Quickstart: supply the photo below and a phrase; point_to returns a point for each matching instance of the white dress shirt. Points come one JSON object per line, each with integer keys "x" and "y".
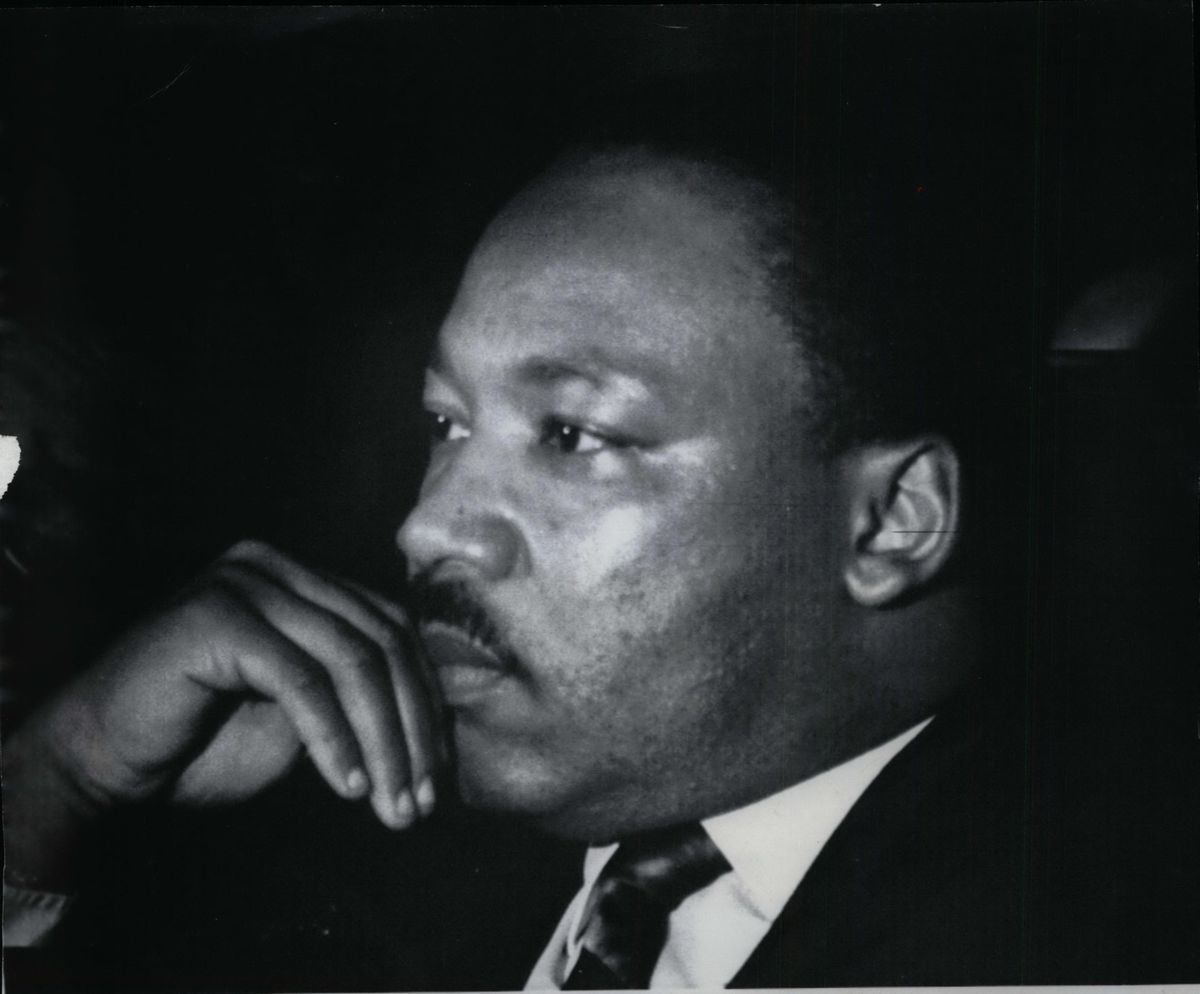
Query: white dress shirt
{"x": 770, "y": 845}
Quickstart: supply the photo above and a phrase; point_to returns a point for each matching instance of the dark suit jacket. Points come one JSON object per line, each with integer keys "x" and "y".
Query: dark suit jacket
{"x": 980, "y": 855}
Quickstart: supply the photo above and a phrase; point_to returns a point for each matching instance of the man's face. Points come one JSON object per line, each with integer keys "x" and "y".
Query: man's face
{"x": 619, "y": 480}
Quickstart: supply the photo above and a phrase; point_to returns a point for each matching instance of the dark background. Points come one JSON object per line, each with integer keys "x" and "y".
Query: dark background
{"x": 229, "y": 236}
{"x": 230, "y": 233}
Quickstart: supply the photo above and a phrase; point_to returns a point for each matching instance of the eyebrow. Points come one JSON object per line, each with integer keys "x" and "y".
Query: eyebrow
{"x": 542, "y": 372}
{"x": 548, "y": 371}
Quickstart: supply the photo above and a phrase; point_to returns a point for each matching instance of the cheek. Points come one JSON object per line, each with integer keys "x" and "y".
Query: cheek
{"x": 614, "y": 541}
{"x": 614, "y": 584}
{"x": 641, "y": 581}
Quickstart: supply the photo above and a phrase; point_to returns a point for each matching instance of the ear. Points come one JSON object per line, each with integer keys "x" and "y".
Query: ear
{"x": 904, "y": 509}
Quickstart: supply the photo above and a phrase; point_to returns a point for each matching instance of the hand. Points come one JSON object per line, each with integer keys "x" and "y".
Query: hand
{"x": 214, "y": 698}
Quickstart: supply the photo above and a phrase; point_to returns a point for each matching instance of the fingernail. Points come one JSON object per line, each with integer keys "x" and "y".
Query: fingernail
{"x": 425, "y": 796}
{"x": 356, "y": 782}
{"x": 405, "y": 811}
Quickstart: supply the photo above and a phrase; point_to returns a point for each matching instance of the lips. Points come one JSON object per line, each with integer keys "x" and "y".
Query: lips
{"x": 465, "y": 668}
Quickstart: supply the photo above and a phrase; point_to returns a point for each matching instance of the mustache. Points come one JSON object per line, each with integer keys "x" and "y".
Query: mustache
{"x": 452, "y": 603}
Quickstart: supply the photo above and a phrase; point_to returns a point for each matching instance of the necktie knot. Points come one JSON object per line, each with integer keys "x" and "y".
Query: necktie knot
{"x": 625, "y": 924}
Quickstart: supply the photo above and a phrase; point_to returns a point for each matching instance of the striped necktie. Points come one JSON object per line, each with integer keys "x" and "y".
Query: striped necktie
{"x": 625, "y": 923}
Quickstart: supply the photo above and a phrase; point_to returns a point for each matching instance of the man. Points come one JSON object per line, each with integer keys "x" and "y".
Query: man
{"x": 690, "y": 551}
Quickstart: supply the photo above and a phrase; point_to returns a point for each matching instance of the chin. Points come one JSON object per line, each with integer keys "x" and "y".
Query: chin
{"x": 520, "y": 784}
{"x": 495, "y": 777}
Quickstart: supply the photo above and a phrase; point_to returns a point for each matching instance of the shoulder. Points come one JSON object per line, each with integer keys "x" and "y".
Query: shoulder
{"x": 995, "y": 850}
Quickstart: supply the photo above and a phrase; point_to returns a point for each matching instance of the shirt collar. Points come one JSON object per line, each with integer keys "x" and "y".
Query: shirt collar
{"x": 771, "y": 843}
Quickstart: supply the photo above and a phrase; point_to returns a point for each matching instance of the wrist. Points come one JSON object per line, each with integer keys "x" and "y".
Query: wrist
{"x": 48, "y": 816}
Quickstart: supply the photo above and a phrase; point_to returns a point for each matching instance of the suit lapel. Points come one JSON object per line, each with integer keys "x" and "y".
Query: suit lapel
{"x": 921, "y": 882}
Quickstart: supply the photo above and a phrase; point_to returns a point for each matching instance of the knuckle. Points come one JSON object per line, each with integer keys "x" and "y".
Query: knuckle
{"x": 308, "y": 683}
{"x": 213, "y": 601}
{"x": 359, "y": 654}
{"x": 329, "y": 740}
{"x": 394, "y": 646}
{"x": 233, "y": 571}
{"x": 247, "y": 548}
{"x": 213, "y": 615}
{"x": 361, "y": 659}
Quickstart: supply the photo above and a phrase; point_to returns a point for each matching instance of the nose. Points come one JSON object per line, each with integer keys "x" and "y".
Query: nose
{"x": 464, "y": 519}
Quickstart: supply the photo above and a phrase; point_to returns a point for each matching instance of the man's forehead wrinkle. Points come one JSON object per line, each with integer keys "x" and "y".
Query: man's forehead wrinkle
{"x": 621, "y": 288}
{"x": 547, "y": 372}
{"x": 593, "y": 366}
{"x": 583, "y": 313}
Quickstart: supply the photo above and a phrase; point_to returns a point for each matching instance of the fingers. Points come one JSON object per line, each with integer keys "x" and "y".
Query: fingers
{"x": 353, "y": 668}
{"x": 417, "y": 692}
{"x": 428, "y": 721}
{"x": 267, "y": 662}
{"x": 362, "y": 650}
{"x": 418, "y": 695}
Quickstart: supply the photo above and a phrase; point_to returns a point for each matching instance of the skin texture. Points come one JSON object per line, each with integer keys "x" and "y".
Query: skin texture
{"x": 670, "y": 580}
{"x": 648, "y": 596}
{"x": 257, "y": 662}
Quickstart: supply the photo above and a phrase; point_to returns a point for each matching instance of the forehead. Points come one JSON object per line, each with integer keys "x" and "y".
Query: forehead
{"x": 653, "y": 269}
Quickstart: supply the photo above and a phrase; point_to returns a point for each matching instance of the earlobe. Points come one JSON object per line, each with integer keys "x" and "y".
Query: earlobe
{"x": 904, "y": 511}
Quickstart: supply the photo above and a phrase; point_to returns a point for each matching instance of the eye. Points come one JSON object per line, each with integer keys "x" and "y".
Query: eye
{"x": 443, "y": 428}
{"x": 570, "y": 439}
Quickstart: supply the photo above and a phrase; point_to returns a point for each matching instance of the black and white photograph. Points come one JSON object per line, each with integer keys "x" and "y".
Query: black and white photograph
{"x": 590, "y": 497}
